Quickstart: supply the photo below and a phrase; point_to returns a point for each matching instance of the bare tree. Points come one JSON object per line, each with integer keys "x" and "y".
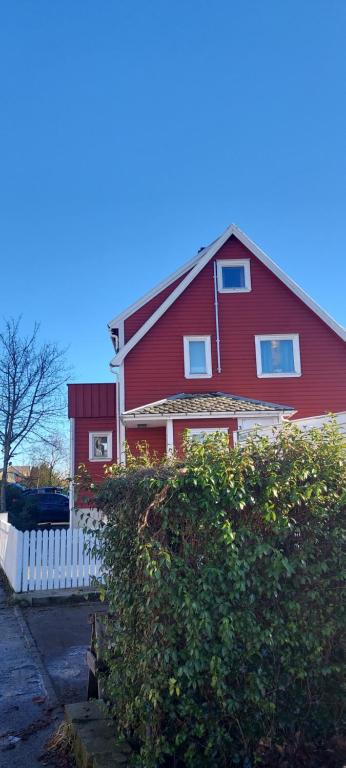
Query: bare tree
{"x": 49, "y": 459}
{"x": 31, "y": 390}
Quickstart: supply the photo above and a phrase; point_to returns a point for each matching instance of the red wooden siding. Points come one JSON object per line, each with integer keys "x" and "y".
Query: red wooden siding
{"x": 155, "y": 367}
{"x": 137, "y": 319}
{"x": 96, "y": 469}
{"x": 92, "y": 400}
{"x": 181, "y": 425}
{"x": 154, "y": 436}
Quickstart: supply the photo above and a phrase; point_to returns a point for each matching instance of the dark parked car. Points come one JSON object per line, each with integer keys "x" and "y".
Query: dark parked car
{"x": 51, "y": 508}
{"x": 43, "y": 489}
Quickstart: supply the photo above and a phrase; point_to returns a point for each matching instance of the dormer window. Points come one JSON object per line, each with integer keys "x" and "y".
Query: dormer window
{"x": 197, "y": 357}
{"x": 234, "y": 276}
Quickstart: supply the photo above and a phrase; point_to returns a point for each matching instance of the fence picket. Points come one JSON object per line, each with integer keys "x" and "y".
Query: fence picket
{"x": 69, "y": 558}
{"x": 50, "y": 569}
{"x": 86, "y": 559}
{"x": 45, "y": 559}
{"x": 74, "y": 558}
{"x": 56, "y": 559}
{"x": 25, "y": 565}
{"x": 62, "y": 579}
{"x": 38, "y": 572}
{"x": 80, "y": 559}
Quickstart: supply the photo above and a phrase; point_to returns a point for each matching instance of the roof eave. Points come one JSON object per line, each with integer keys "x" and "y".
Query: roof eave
{"x": 129, "y": 416}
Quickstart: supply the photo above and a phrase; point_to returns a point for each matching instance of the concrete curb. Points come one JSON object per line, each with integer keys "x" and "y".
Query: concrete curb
{"x": 35, "y": 654}
{"x": 54, "y": 597}
{"x": 93, "y": 737}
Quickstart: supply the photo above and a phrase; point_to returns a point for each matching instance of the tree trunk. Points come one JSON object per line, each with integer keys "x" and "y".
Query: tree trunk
{"x": 4, "y": 482}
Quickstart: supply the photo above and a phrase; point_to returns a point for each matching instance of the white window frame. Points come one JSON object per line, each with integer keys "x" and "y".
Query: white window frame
{"x": 294, "y": 337}
{"x": 234, "y": 263}
{"x": 207, "y": 342}
{"x": 207, "y": 431}
{"x": 100, "y": 433}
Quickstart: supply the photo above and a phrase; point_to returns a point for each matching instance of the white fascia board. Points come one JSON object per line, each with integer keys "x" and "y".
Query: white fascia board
{"x": 202, "y": 261}
{"x": 130, "y": 416}
{"x": 152, "y": 293}
{"x": 158, "y": 288}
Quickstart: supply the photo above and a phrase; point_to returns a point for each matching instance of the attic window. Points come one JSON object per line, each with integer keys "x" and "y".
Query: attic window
{"x": 233, "y": 276}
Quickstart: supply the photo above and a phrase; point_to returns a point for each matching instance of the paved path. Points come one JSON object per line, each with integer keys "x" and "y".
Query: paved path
{"x": 62, "y": 635}
{"x": 29, "y": 711}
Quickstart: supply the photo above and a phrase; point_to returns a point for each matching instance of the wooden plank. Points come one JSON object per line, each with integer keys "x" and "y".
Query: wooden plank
{"x": 32, "y": 557}
{"x": 74, "y": 558}
{"x": 50, "y": 569}
{"x": 44, "y": 582}
{"x": 62, "y": 579}
{"x": 80, "y": 558}
{"x": 56, "y": 577}
{"x": 91, "y": 662}
{"x": 69, "y": 558}
{"x": 25, "y": 584}
{"x": 38, "y": 572}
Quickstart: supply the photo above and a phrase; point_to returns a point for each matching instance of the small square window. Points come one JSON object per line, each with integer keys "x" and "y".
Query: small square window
{"x": 234, "y": 276}
{"x": 100, "y": 446}
{"x": 278, "y": 355}
{"x": 197, "y": 357}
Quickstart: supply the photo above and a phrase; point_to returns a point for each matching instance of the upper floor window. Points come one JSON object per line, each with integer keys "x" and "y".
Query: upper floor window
{"x": 278, "y": 355}
{"x": 197, "y": 357}
{"x": 234, "y": 276}
{"x": 100, "y": 446}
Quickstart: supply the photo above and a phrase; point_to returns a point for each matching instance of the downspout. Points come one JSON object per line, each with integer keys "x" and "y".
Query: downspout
{"x": 72, "y": 468}
{"x": 216, "y": 305}
{"x": 117, "y": 411}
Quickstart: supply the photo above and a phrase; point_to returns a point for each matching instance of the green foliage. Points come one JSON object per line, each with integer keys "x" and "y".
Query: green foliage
{"x": 22, "y": 510}
{"x": 224, "y": 575}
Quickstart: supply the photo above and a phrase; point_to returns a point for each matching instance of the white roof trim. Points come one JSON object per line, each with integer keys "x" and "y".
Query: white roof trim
{"x": 202, "y": 260}
{"x": 129, "y": 416}
{"x": 154, "y": 291}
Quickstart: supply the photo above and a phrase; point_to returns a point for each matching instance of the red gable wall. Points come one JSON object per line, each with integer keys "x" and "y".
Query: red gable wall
{"x": 155, "y": 367}
{"x": 137, "y": 319}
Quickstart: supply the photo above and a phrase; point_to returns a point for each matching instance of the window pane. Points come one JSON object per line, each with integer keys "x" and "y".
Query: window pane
{"x": 198, "y": 363}
{"x": 100, "y": 446}
{"x": 233, "y": 277}
{"x": 277, "y": 356}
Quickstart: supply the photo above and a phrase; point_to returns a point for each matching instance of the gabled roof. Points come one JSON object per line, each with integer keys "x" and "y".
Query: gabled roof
{"x": 195, "y": 266}
{"x": 206, "y": 403}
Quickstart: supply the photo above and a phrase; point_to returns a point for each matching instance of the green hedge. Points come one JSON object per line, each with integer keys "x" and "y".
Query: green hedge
{"x": 225, "y": 578}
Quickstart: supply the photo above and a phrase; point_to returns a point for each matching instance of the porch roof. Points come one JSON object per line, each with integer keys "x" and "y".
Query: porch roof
{"x": 206, "y": 403}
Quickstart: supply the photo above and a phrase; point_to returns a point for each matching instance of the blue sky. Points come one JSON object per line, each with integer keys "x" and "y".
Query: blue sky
{"x": 132, "y": 133}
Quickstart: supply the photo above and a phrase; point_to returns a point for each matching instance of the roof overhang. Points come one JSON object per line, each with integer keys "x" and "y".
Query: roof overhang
{"x": 129, "y": 417}
{"x": 194, "y": 267}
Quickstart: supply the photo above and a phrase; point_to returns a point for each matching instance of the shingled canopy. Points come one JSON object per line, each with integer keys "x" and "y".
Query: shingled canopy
{"x": 206, "y": 404}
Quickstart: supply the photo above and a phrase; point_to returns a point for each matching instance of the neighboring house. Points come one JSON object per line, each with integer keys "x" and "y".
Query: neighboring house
{"x": 227, "y": 341}
{"x": 17, "y": 474}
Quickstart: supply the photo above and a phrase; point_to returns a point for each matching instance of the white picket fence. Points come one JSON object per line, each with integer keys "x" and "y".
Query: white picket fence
{"x": 55, "y": 559}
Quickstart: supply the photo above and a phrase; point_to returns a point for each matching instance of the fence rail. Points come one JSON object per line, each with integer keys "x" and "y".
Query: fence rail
{"x": 55, "y": 559}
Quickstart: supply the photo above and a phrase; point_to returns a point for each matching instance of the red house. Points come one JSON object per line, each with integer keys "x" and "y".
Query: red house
{"x": 227, "y": 341}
